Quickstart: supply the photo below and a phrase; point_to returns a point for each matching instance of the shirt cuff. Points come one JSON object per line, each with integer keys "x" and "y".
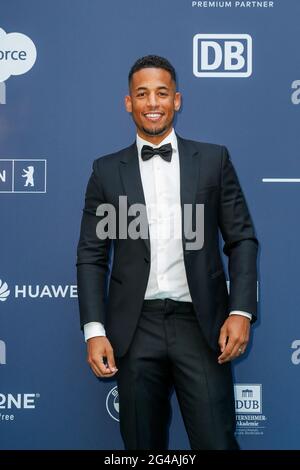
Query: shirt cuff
{"x": 243, "y": 314}
{"x": 92, "y": 329}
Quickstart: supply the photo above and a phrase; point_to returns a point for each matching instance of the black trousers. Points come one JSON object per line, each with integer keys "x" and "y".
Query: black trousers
{"x": 168, "y": 350}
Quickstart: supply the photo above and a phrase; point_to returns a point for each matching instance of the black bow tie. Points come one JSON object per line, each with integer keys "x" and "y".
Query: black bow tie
{"x": 165, "y": 151}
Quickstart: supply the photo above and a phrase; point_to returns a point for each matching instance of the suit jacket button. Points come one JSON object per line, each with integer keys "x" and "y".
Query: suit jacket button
{"x": 146, "y": 260}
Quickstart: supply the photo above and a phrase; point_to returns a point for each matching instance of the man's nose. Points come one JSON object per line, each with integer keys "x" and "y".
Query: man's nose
{"x": 152, "y": 100}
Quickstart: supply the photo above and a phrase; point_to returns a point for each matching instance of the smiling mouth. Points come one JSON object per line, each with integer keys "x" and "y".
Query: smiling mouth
{"x": 153, "y": 117}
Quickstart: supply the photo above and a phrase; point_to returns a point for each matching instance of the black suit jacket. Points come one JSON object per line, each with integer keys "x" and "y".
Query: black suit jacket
{"x": 206, "y": 177}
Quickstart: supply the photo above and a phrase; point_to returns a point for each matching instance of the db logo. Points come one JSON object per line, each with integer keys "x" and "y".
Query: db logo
{"x": 222, "y": 55}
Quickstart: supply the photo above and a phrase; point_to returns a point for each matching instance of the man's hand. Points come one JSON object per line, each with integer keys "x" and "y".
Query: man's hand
{"x": 100, "y": 356}
{"x": 234, "y": 337}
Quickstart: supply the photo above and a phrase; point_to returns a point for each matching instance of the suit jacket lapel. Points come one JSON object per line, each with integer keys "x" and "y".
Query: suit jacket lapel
{"x": 131, "y": 178}
{"x": 189, "y": 173}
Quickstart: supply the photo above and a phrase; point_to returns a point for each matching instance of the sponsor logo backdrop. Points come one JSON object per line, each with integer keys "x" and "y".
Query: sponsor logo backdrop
{"x": 63, "y": 75}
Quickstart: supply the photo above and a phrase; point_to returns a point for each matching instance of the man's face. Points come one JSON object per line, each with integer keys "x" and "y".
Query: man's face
{"x": 153, "y": 101}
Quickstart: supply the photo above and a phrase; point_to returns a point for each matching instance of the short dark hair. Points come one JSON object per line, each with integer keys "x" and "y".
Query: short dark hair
{"x": 150, "y": 61}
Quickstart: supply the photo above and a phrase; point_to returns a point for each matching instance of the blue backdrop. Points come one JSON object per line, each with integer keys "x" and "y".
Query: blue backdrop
{"x": 66, "y": 111}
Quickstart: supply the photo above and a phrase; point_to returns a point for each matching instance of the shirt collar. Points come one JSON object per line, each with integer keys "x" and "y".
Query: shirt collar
{"x": 171, "y": 138}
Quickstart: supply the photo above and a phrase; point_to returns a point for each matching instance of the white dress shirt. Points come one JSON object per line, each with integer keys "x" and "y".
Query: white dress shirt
{"x": 161, "y": 186}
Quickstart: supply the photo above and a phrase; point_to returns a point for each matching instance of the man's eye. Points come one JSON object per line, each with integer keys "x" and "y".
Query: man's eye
{"x": 163, "y": 94}
{"x": 140, "y": 94}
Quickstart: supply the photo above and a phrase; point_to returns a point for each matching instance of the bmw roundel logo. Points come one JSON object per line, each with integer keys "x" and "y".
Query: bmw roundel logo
{"x": 112, "y": 403}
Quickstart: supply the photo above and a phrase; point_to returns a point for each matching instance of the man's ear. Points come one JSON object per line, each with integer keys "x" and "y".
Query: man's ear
{"x": 128, "y": 104}
{"x": 177, "y": 101}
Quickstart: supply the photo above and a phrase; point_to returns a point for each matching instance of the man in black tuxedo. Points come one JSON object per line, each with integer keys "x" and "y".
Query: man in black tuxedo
{"x": 167, "y": 319}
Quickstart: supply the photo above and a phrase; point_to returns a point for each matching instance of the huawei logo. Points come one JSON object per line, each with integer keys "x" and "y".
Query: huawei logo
{"x": 4, "y": 291}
